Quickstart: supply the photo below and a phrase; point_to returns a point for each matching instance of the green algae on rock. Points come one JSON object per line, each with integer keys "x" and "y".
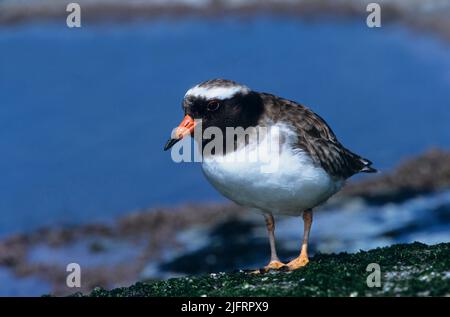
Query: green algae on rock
{"x": 406, "y": 270}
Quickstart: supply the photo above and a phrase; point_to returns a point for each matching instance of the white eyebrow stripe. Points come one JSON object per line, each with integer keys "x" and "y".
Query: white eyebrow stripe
{"x": 216, "y": 92}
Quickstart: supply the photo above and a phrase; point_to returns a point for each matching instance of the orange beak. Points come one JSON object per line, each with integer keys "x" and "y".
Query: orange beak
{"x": 185, "y": 128}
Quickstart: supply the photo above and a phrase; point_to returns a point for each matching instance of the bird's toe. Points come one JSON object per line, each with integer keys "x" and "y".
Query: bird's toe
{"x": 297, "y": 263}
{"x": 274, "y": 265}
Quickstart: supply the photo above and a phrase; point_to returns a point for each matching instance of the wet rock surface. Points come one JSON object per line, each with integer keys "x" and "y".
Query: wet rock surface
{"x": 405, "y": 270}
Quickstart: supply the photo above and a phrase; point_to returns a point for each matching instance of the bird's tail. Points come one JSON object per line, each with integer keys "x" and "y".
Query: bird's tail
{"x": 367, "y": 166}
{"x": 360, "y": 164}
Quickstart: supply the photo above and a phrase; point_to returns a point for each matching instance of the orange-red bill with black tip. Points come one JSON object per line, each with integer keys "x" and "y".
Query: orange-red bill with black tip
{"x": 185, "y": 128}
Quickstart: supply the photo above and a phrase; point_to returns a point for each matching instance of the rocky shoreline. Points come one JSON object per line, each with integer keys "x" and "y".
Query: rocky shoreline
{"x": 430, "y": 16}
{"x": 423, "y": 174}
{"x": 165, "y": 242}
{"x": 405, "y": 270}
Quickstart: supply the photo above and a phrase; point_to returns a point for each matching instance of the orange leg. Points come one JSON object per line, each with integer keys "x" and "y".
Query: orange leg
{"x": 302, "y": 259}
{"x": 275, "y": 262}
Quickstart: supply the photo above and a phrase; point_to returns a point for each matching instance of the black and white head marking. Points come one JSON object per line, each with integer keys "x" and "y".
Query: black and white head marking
{"x": 219, "y": 89}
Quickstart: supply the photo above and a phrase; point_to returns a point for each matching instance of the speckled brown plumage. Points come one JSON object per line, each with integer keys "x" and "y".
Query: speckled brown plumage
{"x": 314, "y": 137}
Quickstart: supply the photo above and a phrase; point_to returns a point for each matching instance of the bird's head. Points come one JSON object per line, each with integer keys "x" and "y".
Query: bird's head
{"x": 217, "y": 103}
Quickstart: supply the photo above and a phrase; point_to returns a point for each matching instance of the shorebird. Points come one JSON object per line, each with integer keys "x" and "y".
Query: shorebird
{"x": 312, "y": 164}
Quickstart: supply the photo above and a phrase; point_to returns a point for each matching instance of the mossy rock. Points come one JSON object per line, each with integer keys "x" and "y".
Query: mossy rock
{"x": 406, "y": 270}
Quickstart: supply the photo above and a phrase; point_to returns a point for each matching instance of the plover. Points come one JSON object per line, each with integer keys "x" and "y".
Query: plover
{"x": 312, "y": 164}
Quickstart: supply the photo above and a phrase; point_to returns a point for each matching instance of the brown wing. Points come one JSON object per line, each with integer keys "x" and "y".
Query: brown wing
{"x": 318, "y": 140}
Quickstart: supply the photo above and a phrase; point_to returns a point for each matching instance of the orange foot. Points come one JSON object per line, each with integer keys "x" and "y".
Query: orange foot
{"x": 273, "y": 265}
{"x": 297, "y": 263}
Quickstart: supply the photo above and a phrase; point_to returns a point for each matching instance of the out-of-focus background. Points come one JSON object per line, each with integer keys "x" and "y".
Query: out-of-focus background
{"x": 85, "y": 112}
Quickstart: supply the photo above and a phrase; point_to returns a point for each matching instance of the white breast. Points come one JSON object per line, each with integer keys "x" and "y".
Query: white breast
{"x": 289, "y": 184}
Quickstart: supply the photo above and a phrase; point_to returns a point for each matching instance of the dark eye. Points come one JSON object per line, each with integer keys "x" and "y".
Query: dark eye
{"x": 213, "y": 105}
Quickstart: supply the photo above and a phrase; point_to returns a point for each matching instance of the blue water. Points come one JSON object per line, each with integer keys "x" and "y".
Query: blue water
{"x": 84, "y": 113}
